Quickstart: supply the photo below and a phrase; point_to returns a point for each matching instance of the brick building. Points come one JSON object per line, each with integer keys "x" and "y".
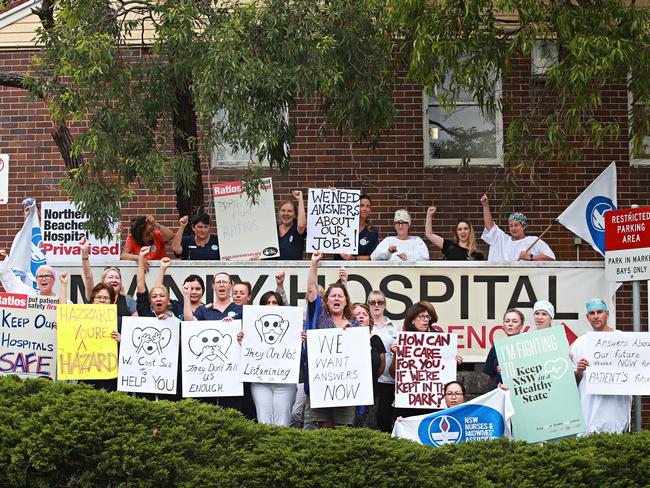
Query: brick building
{"x": 402, "y": 172}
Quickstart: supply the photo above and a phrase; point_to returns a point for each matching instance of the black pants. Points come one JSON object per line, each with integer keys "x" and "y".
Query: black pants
{"x": 385, "y": 396}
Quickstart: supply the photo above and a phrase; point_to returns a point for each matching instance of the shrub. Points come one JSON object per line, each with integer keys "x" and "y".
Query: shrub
{"x": 58, "y": 434}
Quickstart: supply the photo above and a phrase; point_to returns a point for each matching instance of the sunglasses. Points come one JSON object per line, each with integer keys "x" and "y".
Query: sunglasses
{"x": 376, "y": 302}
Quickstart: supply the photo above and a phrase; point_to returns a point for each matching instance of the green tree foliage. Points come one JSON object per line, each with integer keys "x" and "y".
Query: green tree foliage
{"x": 233, "y": 69}
{"x": 58, "y": 434}
{"x": 471, "y": 43}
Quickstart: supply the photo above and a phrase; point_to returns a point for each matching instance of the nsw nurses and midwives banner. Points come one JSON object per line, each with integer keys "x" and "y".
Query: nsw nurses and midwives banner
{"x": 470, "y": 298}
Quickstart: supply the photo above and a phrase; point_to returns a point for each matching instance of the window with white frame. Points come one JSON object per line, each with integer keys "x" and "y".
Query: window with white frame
{"x": 463, "y": 133}
{"x": 642, "y": 159}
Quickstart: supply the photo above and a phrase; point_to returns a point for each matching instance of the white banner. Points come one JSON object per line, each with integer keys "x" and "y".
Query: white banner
{"x": 148, "y": 360}
{"x": 470, "y": 298}
{"x": 340, "y": 374}
{"x": 619, "y": 363}
{"x": 62, "y": 227}
{"x": 210, "y": 357}
{"x": 426, "y": 361}
{"x": 333, "y": 221}
{"x": 28, "y": 338}
{"x": 271, "y": 345}
{"x": 4, "y": 178}
{"x": 246, "y": 231}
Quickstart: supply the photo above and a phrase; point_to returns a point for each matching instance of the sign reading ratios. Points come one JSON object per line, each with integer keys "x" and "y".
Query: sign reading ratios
{"x": 627, "y": 244}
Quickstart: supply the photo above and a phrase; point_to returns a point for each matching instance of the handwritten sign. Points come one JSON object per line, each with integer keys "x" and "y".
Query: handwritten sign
{"x": 148, "y": 360}
{"x": 28, "y": 335}
{"x": 86, "y": 350}
{"x": 62, "y": 227}
{"x": 333, "y": 221}
{"x": 246, "y": 230}
{"x": 537, "y": 368}
{"x": 426, "y": 361}
{"x": 210, "y": 358}
{"x": 340, "y": 374}
{"x": 619, "y": 363}
{"x": 271, "y": 345}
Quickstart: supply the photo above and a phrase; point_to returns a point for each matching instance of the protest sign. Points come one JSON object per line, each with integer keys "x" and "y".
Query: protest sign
{"x": 4, "y": 178}
{"x": 426, "y": 361}
{"x": 339, "y": 367}
{"x": 86, "y": 350}
{"x": 333, "y": 221}
{"x": 537, "y": 368}
{"x": 62, "y": 227}
{"x": 28, "y": 339}
{"x": 619, "y": 363}
{"x": 148, "y": 361}
{"x": 246, "y": 230}
{"x": 271, "y": 344}
{"x": 210, "y": 358}
{"x": 483, "y": 418}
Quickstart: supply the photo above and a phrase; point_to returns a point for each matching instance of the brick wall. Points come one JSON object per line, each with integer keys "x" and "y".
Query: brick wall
{"x": 393, "y": 175}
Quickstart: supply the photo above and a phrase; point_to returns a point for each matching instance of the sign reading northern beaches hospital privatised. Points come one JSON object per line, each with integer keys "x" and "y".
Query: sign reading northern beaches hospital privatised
{"x": 627, "y": 244}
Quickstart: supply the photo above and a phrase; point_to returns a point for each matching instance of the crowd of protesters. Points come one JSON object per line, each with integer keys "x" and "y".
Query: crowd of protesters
{"x": 289, "y": 405}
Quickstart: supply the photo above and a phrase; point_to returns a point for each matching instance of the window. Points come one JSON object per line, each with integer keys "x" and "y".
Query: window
{"x": 542, "y": 57}
{"x": 463, "y": 133}
{"x": 639, "y": 112}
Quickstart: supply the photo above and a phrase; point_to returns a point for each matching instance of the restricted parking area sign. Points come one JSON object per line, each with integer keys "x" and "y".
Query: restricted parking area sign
{"x": 627, "y": 244}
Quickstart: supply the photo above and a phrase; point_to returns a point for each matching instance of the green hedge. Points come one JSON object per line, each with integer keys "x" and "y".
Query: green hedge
{"x": 57, "y": 434}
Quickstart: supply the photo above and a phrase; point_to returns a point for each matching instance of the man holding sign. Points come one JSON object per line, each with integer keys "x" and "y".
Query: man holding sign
{"x": 603, "y": 413}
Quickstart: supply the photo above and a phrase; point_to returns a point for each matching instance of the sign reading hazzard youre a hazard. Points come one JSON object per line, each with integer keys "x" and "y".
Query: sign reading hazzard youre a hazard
{"x": 627, "y": 244}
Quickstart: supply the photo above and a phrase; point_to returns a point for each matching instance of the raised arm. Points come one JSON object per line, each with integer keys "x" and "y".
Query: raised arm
{"x": 312, "y": 278}
{"x": 302, "y": 215}
{"x": 89, "y": 281}
{"x": 178, "y": 237}
{"x": 64, "y": 278}
{"x": 435, "y": 239}
{"x": 166, "y": 232}
{"x": 141, "y": 284}
{"x": 160, "y": 277}
{"x": 279, "y": 287}
{"x": 188, "y": 314}
{"x": 487, "y": 215}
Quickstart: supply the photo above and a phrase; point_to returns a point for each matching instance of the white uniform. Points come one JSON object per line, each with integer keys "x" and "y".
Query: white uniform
{"x": 504, "y": 248}
{"x": 414, "y": 247}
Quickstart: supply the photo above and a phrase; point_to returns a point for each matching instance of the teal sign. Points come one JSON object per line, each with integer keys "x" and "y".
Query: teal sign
{"x": 539, "y": 372}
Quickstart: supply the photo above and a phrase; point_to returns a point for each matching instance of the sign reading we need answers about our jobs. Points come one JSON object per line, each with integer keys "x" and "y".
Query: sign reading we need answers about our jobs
{"x": 627, "y": 244}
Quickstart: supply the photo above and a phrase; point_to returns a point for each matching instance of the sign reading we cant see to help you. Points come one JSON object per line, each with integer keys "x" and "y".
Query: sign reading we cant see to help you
{"x": 627, "y": 244}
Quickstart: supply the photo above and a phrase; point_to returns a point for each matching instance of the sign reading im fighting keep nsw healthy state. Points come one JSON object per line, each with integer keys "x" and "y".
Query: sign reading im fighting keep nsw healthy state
{"x": 627, "y": 244}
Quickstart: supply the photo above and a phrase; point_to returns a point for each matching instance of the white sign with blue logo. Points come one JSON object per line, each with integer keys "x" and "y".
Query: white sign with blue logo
{"x": 585, "y": 216}
{"x": 484, "y": 418}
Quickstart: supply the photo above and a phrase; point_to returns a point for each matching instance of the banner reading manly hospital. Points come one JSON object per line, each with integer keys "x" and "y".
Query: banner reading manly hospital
{"x": 470, "y": 298}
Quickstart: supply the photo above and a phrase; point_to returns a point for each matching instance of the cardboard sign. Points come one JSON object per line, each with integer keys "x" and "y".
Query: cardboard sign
{"x": 426, "y": 362}
{"x": 333, "y": 221}
{"x": 537, "y": 368}
{"x": 340, "y": 374}
{"x": 86, "y": 350}
{"x": 28, "y": 335}
{"x": 4, "y": 178}
{"x": 271, "y": 345}
{"x": 62, "y": 227}
{"x": 246, "y": 231}
{"x": 148, "y": 360}
{"x": 210, "y": 358}
{"x": 619, "y": 363}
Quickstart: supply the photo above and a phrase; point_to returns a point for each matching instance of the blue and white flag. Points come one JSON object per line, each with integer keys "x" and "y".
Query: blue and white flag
{"x": 585, "y": 216}
{"x": 484, "y": 418}
{"x": 26, "y": 254}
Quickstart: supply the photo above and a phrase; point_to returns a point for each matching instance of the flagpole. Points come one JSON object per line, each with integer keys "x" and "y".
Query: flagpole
{"x": 539, "y": 238}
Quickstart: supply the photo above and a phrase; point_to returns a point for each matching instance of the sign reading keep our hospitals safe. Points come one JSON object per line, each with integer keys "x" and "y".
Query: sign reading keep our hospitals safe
{"x": 470, "y": 299}
{"x": 627, "y": 244}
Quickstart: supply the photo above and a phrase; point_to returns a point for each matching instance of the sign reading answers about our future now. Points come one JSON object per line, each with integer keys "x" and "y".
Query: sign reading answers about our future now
{"x": 627, "y": 244}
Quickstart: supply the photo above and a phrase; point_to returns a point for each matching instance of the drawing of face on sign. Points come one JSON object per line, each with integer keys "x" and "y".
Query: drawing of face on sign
{"x": 271, "y": 328}
{"x": 151, "y": 340}
{"x": 210, "y": 344}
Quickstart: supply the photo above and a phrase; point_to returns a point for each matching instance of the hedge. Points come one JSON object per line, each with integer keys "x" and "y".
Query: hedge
{"x": 58, "y": 434}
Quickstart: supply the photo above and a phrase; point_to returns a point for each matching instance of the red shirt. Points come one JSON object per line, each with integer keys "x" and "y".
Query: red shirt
{"x": 157, "y": 251}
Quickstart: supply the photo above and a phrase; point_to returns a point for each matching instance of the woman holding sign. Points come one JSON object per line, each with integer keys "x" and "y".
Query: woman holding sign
{"x": 291, "y": 229}
{"x": 513, "y": 322}
{"x": 335, "y": 312}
